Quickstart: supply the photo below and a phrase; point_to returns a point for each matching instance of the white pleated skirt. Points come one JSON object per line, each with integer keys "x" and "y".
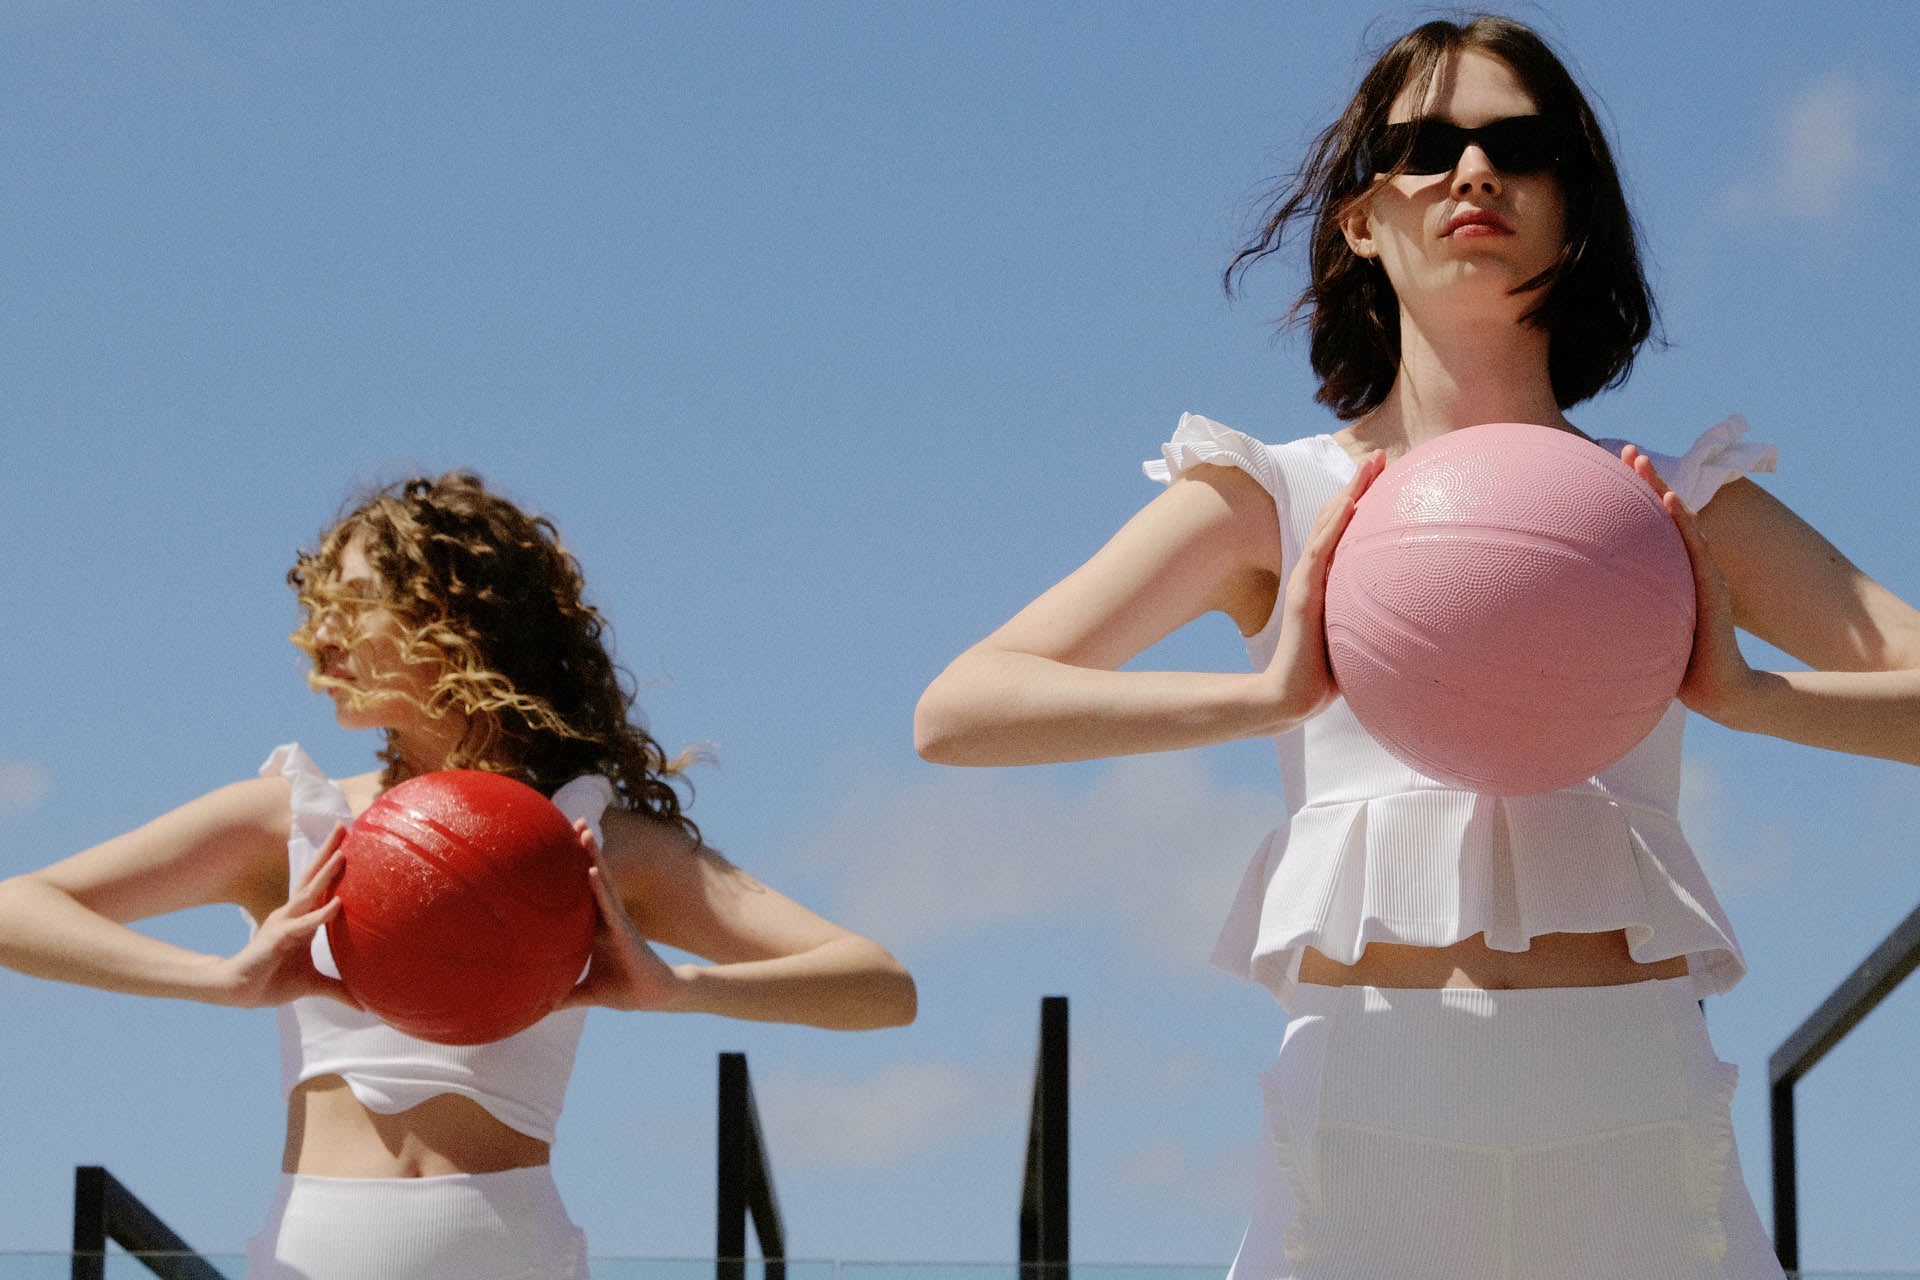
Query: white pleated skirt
{"x": 483, "y": 1226}
{"x": 1557, "y": 1134}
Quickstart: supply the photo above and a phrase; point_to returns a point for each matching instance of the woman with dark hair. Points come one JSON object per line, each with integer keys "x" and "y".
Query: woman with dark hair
{"x": 455, "y": 623}
{"x": 1495, "y": 1062}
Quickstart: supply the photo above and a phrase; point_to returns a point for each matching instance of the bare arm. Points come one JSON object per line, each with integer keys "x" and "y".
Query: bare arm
{"x": 773, "y": 960}
{"x": 1045, "y": 686}
{"x": 1760, "y": 567}
{"x": 68, "y": 922}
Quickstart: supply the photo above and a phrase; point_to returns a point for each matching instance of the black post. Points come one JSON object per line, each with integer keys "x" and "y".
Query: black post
{"x": 1786, "y": 1191}
{"x": 1043, "y": 1192}
{"x": 744, "y": 1183}
{"x": 90, "y": 1222}
{"x": 104, "y": 1210}
{"x": 1871, "y": 982}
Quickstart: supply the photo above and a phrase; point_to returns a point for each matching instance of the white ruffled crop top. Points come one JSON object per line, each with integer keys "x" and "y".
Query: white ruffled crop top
{"x": 1374, "y": 851}
{"x": 521, "y": 1080}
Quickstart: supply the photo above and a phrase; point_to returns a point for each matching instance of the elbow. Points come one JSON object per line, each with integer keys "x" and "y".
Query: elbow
{"x": 906, "y": 1001}
{"x": 13, "y": 892}
{"x": 930, "y": 741}
{"x": 896, "y": 1001}
{"x": 936, "y": 725}
{"x": 962, "y": 714}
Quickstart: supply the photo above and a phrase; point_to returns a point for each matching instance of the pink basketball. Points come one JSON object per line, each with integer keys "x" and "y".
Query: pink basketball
{"x": 1510, "y": 609}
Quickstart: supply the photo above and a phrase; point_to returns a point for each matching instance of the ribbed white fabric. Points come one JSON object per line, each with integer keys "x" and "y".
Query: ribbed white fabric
{"x": 1555, "y": 1134}
{"x": 479, "y": 1226}
{"x": 521, "y": 1080}
{"x": 1373, "y": 850}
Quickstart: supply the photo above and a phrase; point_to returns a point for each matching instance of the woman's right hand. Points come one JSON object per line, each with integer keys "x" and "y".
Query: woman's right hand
{"x": 1300, "y": 675}
{"x": 276, "y": 965}
{"x": 1048, "y": 685}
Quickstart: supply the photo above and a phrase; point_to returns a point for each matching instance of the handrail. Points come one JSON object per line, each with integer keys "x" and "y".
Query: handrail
{"x": 1043, "y": 1191}
{"x": 744, "y": 1181}
{"x": 1838, "y": 1014}
{"x": 104, "y": 1210}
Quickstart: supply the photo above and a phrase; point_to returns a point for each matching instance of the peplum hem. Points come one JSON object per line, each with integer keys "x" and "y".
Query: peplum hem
{"x": 1434, "y": 866}
{"x": 1374, "y": 851}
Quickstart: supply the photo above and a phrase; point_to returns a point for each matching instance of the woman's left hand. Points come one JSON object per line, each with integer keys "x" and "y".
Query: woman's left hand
{"x": 625, "y": 972}
{"x": 1718, "y": 674}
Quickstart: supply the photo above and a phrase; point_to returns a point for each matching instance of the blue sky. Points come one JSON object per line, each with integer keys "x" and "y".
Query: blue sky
{"x": 830, "y": 335}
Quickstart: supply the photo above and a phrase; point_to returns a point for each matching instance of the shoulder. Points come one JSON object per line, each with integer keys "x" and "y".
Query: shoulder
{"x": 260, "y": 806}
{"x": 644, "y": 847}
{"x": 662, "y": 873}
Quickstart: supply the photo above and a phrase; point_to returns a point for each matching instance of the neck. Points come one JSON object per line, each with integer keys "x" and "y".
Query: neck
{"x": 1461, "y": 375}
{"x": 424, "y": 749}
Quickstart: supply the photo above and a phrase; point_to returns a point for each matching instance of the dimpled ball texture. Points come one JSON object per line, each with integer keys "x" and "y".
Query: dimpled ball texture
{"x": 1510, "y": 609}
{"x": 466, "y": 914}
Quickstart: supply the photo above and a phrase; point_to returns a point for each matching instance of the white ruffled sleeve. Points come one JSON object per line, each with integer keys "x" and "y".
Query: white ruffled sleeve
{"x": 588, "y": 797}
{"x": 1719, "y": 455}
{"x": 1197, "y": 441}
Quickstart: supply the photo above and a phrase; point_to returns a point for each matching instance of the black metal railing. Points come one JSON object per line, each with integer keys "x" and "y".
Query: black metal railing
{"x": 1838, "y": 1014}
{"x": 744, "y": 1181}
{"x": 104, "y": 1210}
{"x": 1043, "y": 1191}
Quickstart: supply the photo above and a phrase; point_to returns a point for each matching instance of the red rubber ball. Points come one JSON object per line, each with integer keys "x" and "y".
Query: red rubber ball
{"x": 1510, "y": 609}
{"x": 466, "y": 913}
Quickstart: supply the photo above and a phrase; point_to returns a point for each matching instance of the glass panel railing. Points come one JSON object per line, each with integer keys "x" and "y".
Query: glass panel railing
{"x": 125, "y": 1266}
{"x": 133, "y": 1266}
{"x": 1016, "y": 1271}
{"x": 1129, "y": 1271}
{"x": 704, "y": 1269}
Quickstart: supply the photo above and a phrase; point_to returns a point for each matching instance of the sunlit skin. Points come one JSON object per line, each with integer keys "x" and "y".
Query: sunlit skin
{"x": 765, "y": 956}
{"x": 1455, "y": 246}
{"x": 359, "y": 648}
{"x": 1053, "y": 683}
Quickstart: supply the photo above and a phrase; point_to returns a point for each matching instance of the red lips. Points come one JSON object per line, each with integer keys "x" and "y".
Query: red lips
{"x": 1465, "y": 218}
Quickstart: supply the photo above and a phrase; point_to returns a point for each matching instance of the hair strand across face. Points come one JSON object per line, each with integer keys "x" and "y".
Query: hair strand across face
{"x": 488, "y": 595}
{"x": 1595, "y": 303}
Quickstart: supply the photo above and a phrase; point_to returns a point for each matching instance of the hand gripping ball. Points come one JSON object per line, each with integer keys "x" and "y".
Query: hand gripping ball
{"x": 465, "y": 912}
{"x": 1510, "y": 609}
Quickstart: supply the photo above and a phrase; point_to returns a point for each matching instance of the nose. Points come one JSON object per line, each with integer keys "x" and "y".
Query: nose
{"x": 327, "y": 631}
{"x": 1474, "y": 173}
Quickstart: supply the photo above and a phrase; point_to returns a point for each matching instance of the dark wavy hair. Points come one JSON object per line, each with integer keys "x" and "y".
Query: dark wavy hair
{"x": 486, "y": 593}
{"x": 1595, "y": 303}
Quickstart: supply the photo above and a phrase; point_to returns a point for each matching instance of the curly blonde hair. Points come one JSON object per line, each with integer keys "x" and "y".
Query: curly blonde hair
{"x": 486, "y": 593}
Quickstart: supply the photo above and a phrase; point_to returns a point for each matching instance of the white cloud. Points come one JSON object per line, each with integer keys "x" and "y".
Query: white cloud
{"x": 23, "y": 785}
{"x": 1738, "y": 858}
{"x": 903, "y": 1110}
{"x": 1155, "y": 842}
{"x": 1161, "y": 1162}
{"x": 1171, "y": 1170}
{"x": 1818, "y": 157}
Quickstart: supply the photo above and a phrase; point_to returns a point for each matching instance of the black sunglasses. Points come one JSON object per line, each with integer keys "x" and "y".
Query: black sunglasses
{"x": 1517, "y": 144}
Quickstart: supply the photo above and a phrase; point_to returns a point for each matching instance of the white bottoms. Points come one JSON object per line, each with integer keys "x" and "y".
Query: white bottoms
{"x": 1558, "y": 1134}
{"x": 483, "y": 1226}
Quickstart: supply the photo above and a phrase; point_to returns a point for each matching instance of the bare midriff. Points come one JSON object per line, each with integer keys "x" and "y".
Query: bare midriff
{"x": 1550, "y": 960}
{"x": 331, "y": 1134}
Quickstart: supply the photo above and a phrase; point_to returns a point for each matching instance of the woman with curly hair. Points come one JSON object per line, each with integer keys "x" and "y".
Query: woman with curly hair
{"x": 452, "y": 621}
{"x": 1495, "y": 1063}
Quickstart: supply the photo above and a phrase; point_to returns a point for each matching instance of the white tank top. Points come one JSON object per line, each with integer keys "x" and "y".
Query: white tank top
{"x": 521, "y": 1080}
{"x": 1374, "y": 851}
